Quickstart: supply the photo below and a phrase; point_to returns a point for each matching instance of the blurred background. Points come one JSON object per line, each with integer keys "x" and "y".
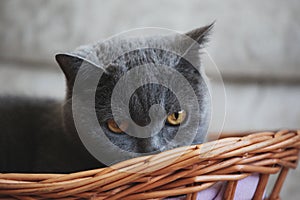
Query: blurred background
{"x": 255, "y": 44}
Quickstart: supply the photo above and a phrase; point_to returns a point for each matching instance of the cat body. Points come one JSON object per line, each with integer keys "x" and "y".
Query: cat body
{"x": 40, "y": 135}
{"x": 33, "y": 138}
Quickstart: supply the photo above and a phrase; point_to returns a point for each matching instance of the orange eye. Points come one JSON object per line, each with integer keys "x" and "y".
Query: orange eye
{"x": 113, "y": 126}
{"x": 176, "y": 118}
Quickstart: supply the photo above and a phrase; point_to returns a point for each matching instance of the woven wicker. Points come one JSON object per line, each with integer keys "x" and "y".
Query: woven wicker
{"x": 195, "y": 168}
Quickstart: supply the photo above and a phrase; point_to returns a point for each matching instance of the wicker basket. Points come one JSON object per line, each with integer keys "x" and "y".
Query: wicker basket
{"x": 197, "y": 168}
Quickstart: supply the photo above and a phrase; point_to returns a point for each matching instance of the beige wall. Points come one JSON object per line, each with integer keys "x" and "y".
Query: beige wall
{"x": 252, "y": 38}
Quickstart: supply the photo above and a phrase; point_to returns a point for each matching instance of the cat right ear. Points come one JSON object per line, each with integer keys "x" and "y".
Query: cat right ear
{"x": 70, "y": 65}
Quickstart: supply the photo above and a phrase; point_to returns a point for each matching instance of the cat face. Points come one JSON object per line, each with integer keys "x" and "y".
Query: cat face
{"x": 154, "y": 113}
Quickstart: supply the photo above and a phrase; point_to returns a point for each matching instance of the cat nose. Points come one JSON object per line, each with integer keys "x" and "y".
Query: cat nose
{"x": 146, "y": 132}
{"x": 149, "y": 145}
{"x": 157, "y": 116}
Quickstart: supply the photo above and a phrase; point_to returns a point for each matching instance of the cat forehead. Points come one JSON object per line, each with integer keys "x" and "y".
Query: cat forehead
{"x": 115, "y": 50}
{"x": 102, "y": 54}
{"x": 119, "y": 55}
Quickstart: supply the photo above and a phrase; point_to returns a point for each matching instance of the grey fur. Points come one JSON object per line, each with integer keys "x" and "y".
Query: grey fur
{"x": 59, "y": 149}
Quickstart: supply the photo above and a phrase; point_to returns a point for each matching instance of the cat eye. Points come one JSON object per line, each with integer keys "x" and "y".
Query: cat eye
{"x": 113, "y": 126}
{"x": 176, "y": 118}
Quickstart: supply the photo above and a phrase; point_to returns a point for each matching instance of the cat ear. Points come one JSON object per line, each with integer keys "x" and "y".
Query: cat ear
{"x": 201, "y": 35}
{"x": 193, "y": 41}
{"x": 70, "y": 65}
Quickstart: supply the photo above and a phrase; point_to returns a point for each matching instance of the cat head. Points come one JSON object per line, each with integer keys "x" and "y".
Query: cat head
{"x": 142, "y": 61}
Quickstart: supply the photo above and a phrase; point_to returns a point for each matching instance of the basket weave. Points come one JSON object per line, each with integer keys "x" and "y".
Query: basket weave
{"x": 196, "y": 168}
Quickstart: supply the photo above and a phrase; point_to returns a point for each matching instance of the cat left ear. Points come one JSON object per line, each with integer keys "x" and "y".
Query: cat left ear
{"x": 201, "y": 35}
{"x": 70, "y": 65}
{"x": 195, "y": 40}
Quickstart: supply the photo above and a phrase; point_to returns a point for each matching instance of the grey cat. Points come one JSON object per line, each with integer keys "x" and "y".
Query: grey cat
{"x": 39, "y": 135}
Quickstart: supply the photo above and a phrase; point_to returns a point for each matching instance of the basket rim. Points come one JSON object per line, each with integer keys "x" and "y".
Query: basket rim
{"x": 199, "y": 167}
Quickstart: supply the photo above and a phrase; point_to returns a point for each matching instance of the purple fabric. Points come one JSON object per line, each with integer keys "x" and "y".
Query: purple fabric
{"x": 244, "y": 191}
{"x": 246, "y": 187}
